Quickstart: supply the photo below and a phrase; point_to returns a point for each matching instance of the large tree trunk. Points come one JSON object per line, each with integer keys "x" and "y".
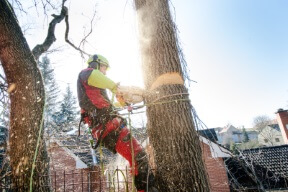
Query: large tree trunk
{"x": 177, "y": 152}
{"x": 27, "y": 104}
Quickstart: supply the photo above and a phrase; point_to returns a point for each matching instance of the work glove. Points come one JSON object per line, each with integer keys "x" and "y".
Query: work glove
{"x": 121, "y": 102}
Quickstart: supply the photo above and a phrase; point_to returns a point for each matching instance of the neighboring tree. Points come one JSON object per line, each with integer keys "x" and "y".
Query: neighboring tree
{"x": 66, "y": 118}
{"x": 260, "y": 122}
{"x": 172, "y": 134}
{"x": 270, "y": 135}
{"x": 52, "y": 92}
{"x": 267, "y": 130}
{"x": 27, "y": 102}
{"x": 28, "y": 155}
{"x": 233, "y": 148}
{"x": 245, "y": 135}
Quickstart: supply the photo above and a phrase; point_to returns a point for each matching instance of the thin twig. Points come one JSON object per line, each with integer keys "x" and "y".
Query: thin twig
{"x": 67, "y": 39}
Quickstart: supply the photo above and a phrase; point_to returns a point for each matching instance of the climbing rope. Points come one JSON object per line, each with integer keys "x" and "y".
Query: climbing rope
{"x": 36, "y": 152}
{"x": 154, "y": 102}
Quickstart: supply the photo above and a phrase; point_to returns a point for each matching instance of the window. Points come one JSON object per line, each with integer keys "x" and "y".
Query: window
{"x": 277, "y": 139}
{"x": 266, "y": 140}
{"x": 286, "y": 126}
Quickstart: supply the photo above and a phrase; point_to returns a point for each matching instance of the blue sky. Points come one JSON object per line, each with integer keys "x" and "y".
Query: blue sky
{"x": 235, "y": 50}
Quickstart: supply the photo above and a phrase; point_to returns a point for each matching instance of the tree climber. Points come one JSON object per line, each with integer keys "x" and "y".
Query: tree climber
{"x": 108, "y": 128}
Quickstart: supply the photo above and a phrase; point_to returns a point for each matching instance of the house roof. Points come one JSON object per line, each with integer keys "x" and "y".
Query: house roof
{"x": 209, "y": 134}
{"x": 270, "y": 165}
{"x": 274, "y": 159}
{"x": 80, "y": 147}
{"x": 251, "y": 130}
{"x": 225, "y": 129}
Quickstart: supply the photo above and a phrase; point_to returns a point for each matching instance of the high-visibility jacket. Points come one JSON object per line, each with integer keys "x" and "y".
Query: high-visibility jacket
{"x": 91, "y": 88}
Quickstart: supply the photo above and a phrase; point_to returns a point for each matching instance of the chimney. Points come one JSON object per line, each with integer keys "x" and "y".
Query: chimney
{"x": 282, "y": 118}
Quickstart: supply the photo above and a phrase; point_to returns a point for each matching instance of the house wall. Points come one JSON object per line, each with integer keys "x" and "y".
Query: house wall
{"x": 229, "y": 134}
{"x": 64, "y": 174}
{"x": 216, "y": 170}
{"x": 282, "y": 118}
{"x": 253, "y": 135}
{"x": 237, "y": 137}
{"x": 270, "y": 137}
{"x": 60, "y": 159}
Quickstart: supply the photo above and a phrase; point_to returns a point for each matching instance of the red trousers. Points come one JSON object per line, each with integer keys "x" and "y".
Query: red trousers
{"x": 124, "y": 146}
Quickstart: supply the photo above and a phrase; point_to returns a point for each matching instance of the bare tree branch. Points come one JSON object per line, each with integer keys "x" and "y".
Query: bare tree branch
{"x": 69, "y": 42}
{"x": 41, "y": 48}
{"x": 84, "y": 40}
{"x": 91, "y": 30}
{"x": 18, "y": 6}
{"x": 260, "y": 122}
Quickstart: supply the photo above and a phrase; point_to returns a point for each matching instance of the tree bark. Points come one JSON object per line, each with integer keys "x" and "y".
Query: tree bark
{"x": 177, "y": 151}
{"x": 27, "y": 104}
